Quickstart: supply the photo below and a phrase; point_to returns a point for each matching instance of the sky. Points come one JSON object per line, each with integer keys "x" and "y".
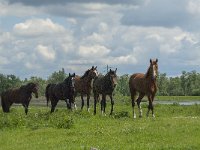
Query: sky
{"x": 38, "y": 37}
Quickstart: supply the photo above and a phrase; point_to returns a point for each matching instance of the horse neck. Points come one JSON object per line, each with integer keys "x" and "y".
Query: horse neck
{"x": 149, "y": 76}
{"x": 107, "y": 78}
{"x": 24, "y": 88}
{"x": 88, "y": 79}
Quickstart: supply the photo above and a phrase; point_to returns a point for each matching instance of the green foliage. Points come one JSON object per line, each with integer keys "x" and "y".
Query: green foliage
{"x": 8, "y": 81}
{"x": 123, "y": 87}
{"x": 175, "y": 127}
{"x": 57, "y": 77}
{"x": 185, "y": 85}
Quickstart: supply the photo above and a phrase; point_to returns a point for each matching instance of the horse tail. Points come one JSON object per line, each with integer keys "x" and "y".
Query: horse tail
{"x": 3, "y": 102}
{"x": 46, "y": 93}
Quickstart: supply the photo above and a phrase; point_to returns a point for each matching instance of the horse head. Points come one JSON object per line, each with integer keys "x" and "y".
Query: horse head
{"x": 153, "y": 68}
{"x": 113, "y": 77}
{"x": 33, "y": 88}
{"x": 93, "y": 72}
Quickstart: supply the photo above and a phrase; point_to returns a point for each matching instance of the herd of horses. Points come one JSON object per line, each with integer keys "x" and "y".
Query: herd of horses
{"x": 104, "y": 85}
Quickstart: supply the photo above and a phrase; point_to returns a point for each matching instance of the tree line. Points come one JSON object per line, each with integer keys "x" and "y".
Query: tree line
{"x": 187, "y": 84}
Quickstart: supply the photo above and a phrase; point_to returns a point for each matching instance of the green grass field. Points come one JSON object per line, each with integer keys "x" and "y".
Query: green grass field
{"x": 175, "y": 127}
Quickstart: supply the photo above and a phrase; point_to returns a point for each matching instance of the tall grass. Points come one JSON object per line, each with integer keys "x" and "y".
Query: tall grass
{"x": 175, "y": 127}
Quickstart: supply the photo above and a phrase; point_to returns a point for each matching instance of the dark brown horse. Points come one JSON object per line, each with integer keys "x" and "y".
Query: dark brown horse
{"x": 145, "y": 84}
{"x": 61, "y": 91}
{"x": 21, "y": 95}
{"x": 83, "y": 84}
{"x": 105, "y": 85}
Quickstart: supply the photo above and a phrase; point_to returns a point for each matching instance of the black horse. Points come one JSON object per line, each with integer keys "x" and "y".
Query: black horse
{"x": 61, "y": 91}
{"x": 104, "y": 85}
{"x": 21, "y": 95}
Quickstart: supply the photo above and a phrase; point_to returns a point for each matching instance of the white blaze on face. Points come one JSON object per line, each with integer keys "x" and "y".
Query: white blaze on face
{"x": 154, "y": 71}
{"x": 96, "y": 72}
{"x": 73, "y": 81}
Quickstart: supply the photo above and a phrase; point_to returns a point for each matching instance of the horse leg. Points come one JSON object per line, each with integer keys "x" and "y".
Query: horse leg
{"x": 75, "y": 107}
{"x": 53, "y": 105}
{"x": 112, "y": 103}
{"x": 141, "y": 95}
{"x": 150, "y": 107}
{"x": 25, "y": 107}
{"x": 82, "y": 101}
{"x": 88, "y": 102}
{"x": 103, "y": 104}
{"x": 68, "y": 104}
{"x": 95, "y": 102}
{"x": 133, "y": 93}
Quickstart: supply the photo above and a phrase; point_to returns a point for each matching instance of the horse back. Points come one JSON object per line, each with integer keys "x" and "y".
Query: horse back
{"x": 14, "y": 95}
{"x": 137, "y": 82}
{"x": 101, "y": 85}
{"x": 82, "y": 86}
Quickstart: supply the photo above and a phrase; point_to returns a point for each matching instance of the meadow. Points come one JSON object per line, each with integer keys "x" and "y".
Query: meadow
{"x": 175, "y": 127}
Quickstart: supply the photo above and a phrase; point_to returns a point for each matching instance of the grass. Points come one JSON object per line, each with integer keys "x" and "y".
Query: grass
{"x": 127, "y": 99}
{"x": 175, "y": 127}
{"x": 178, "y": 98}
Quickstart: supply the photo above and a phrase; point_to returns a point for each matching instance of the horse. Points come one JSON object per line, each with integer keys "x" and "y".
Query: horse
{"x": 21, "y": 95}
{"x": 145, "y": 84}
{"x": 61, "y": 91}
{"x": 104, "y": 85}
{"x": 83, "y": 85}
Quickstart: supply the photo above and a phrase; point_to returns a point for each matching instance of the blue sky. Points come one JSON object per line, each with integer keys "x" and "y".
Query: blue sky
{"x": 40, "y": 37}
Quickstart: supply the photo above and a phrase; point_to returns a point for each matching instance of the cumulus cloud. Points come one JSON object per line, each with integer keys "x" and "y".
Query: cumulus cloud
{"x": 46, "y": 52}
{"x": 37, "y": 27}
{"x": 78, "y": 34}
{"x": 96, "y": 51}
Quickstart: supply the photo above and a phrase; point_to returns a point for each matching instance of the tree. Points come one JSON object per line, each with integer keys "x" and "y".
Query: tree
{"x": 57, "y": 77}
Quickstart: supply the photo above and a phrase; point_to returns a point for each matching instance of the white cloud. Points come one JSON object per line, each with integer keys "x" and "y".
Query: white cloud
{"x": 4, "y": 60}
{"x": 38, "y": 27}
{"x": 46, "y": 52}
{"x": 78, "y": 35}
{"x": 17, "y": 9}
{"x": 194, "y": 7}
{"x": 96, "y": 51}
{"x": 128, "y": 59}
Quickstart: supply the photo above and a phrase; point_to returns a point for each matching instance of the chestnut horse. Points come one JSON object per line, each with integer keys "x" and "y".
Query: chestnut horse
{"x": 145, "y": 84}
{"x": 61, "y": 91}
{"x": 104, "y": 85}
{"x": 83, "y": 84}
{"x": 21, "y": 95}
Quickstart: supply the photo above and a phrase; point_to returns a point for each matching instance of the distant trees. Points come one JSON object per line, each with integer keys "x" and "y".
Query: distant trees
{"x": 188, "y": 83}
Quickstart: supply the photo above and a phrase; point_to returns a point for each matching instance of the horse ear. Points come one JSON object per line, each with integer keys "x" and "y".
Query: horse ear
{"x": 95, "y": 67}
{"x": 92, "y": 67}
{"x": 110, "y": 70}
{"x": 156, "y": 60}
{"x": 74, "y": 74}
{"x": 115, "y": 70}
{"x": 150, "y": 61}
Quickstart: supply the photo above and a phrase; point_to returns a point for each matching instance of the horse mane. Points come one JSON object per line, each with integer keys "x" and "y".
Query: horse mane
{"x": 27, "y": 85}
{"x": 147, "y": 73}
{"x": 110, "y": 72}
{"x": 85, "y": 74}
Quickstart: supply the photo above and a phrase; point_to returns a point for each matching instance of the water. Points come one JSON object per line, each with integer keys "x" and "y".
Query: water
{"x": 187, "y": 103}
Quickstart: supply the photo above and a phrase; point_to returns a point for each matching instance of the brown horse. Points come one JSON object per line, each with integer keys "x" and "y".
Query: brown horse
{"x": 21, "y": 95}
{"x": 61, "y": 91}
{"x": 104, "y": 85}
{"x": 83, "y": 84}
{"x": 145, "y": 84}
